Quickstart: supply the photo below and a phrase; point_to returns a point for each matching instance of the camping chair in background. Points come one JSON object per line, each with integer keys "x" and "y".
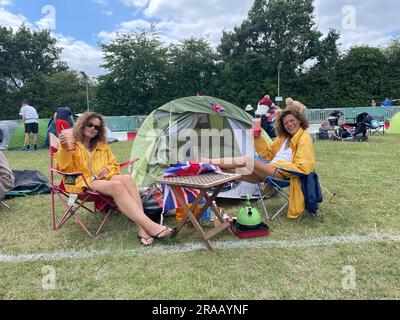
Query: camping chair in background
{"x": 281, "y": 188}
{"x": 377, "y": 126}
{"x": 73, "y": 202}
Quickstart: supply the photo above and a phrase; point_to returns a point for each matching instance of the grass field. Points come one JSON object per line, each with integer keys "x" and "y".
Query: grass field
{"x": 359, "y": 239}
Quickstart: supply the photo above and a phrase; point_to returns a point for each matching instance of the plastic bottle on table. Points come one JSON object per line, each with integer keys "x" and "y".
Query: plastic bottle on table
{"x": 206, "y": 216}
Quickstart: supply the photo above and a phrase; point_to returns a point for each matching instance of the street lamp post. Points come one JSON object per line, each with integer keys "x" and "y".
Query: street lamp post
{"x": 87, "y": 90}
{"x": 87, "y": 95}
{"x": 279, "y": 77}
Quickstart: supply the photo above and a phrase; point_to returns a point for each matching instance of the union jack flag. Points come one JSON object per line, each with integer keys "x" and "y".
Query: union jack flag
{"x": 189, "y": 195}
{"x": 217, "y": 107}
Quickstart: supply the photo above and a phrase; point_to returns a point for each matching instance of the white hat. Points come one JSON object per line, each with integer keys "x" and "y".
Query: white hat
{"x": 249, "y": 107}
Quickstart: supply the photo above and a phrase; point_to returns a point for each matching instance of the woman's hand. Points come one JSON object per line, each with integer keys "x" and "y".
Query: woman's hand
{"x": 63, "y": 139}
{"x": 103, "y": 172}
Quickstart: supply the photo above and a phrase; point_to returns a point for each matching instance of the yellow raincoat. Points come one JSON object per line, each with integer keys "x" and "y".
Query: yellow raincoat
{"x": 303, "y": 161}
{"x": 79, "y": 161}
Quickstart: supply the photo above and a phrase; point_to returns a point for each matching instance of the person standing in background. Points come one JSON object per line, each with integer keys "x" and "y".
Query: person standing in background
{"x": 373, "y": 103}
{"x": 30, "y": 118}
{"x": 62, "y": 116}
{"x": 387, "y": 103}
{"x": 249, "y": 109}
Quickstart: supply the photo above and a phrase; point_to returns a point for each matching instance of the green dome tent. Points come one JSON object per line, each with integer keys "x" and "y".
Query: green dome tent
{"x": 395, "y": 124}
{"x": 12, "y": 134}
{"x": 187, "y": 124}
{"x": 18, "y": 137}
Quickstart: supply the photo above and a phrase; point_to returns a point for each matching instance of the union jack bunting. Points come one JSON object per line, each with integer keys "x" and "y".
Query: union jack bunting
{"x": 217, "y": 107}
{"x": 184, "y": 169}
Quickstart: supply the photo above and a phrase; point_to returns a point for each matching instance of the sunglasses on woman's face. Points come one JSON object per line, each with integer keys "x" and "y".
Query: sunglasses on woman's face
{"x": 95, "y": 126}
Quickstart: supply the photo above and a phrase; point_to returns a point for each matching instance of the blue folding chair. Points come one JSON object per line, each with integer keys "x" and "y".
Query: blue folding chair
{"x": 311, "y": 197}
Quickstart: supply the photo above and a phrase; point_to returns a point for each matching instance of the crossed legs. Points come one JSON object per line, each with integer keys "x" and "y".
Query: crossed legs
{"x": 126, "y": 195}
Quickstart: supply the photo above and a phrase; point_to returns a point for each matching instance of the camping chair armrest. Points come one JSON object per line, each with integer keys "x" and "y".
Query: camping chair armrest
{"x": 128, "y": 163}
{"x": 70, "y": 174}
{"x": 298, "y": 174}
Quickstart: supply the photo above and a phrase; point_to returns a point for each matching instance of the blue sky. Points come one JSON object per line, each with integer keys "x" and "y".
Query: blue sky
{"x": 80, "y": 19}
{"x": 80, "y": 24}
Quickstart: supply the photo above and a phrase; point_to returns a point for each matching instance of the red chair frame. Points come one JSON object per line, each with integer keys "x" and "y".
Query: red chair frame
{"x": 102, "y": 203}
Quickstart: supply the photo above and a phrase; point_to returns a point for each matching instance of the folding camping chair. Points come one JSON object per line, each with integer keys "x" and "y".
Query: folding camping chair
{"x": 377, "y": 126}
{"x": 281, "y": 187}
{"x": 73, "y": 202}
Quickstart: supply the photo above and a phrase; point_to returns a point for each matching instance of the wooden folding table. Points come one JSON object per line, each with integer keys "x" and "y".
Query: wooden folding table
{"x": 203, "y": 183}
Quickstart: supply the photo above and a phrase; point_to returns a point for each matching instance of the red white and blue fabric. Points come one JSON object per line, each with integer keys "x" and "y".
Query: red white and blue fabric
{"x": 217, "y": 107}
{"x": 189, "y": 195}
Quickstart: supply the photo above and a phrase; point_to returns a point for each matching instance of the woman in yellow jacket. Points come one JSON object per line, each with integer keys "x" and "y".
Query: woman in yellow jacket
{"x": 92, "y": 156}
{"x": 292, "y": 150}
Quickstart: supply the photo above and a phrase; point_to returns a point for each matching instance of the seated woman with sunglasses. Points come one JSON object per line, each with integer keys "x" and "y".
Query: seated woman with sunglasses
{"x": 93, "y": 157}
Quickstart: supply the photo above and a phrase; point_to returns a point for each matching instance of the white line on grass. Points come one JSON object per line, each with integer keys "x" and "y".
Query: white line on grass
{"x": 182, "y": 248}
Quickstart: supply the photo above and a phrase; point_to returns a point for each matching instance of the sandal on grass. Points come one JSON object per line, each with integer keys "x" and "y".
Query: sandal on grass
{"x": 142, "y": 239}
{"x": 157, "y": 236}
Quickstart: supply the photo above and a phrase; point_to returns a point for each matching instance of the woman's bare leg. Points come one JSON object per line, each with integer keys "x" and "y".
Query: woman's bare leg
{"x": 129, "y": 206}
{"x": 133, "y": 191}
{"x": 247, "y": 176}
{"x": 228, "y": 163}
{"x": 256, "y": 167}
{"x": 264, "y": 170}
{"x": 127, "y": 181}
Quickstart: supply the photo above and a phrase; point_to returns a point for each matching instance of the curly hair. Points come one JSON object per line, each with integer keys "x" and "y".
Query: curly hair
{"x": 280, "y": 128}
{"x": 80, "y": 125}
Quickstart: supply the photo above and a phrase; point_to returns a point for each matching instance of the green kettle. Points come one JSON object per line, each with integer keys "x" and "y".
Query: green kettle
{"x": 248, "y": 217}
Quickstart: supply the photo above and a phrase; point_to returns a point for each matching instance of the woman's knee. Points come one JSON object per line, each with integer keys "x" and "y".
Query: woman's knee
{"x": 116, "y": 188}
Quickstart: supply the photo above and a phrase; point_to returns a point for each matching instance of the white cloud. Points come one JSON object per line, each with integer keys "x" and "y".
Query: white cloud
{"x": 374, "y": 22}
{"x": 80, "y": 56}
{"x": 101, "y": 2}
{"x": 124, "y": 28}
{"x": 182, "y": 19}
{"x": 5, "y": 3}
{"x": 8, "y": 19}
{"x": 135, "y": 3}
{"x": 49, "y": 18}
{"x": 108, "y": 13}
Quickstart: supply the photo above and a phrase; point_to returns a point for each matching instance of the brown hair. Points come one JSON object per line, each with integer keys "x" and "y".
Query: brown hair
{"x": 279, "y": 127}
{"x": 80, "y": 125}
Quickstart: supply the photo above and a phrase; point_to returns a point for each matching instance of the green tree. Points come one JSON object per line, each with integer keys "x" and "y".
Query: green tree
{"x": 363, "y": 74}
{"x": 136, "y": 78}
{"x": 27, "y": 54}
{"x": 28, "y": 58}
{"x": 47, "y": 93}
{"x": 191, "y": 68}
{"x": 392, "y": 53}
{"x": 274, "y": 31}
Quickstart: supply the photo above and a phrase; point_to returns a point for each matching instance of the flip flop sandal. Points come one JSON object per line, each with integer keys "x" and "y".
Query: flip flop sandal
{"x": 157, "y": 236}
{"x": 146, "y": 239}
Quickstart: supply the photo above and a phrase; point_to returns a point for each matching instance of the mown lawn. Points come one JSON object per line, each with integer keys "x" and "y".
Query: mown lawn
{"x": 304, "y": 259}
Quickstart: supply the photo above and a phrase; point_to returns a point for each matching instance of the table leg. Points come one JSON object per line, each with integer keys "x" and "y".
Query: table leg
{"x": 190, "y": 216}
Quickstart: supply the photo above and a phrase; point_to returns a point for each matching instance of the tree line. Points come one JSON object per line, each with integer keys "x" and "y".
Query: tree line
{"x": 142, "y": 73}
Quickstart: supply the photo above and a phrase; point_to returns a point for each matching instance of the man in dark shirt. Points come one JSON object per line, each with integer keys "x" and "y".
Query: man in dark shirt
{"x": 62, "y": 116}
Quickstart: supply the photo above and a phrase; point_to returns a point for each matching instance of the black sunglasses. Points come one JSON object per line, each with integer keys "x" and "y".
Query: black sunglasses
{"x": 95, "y": 126}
